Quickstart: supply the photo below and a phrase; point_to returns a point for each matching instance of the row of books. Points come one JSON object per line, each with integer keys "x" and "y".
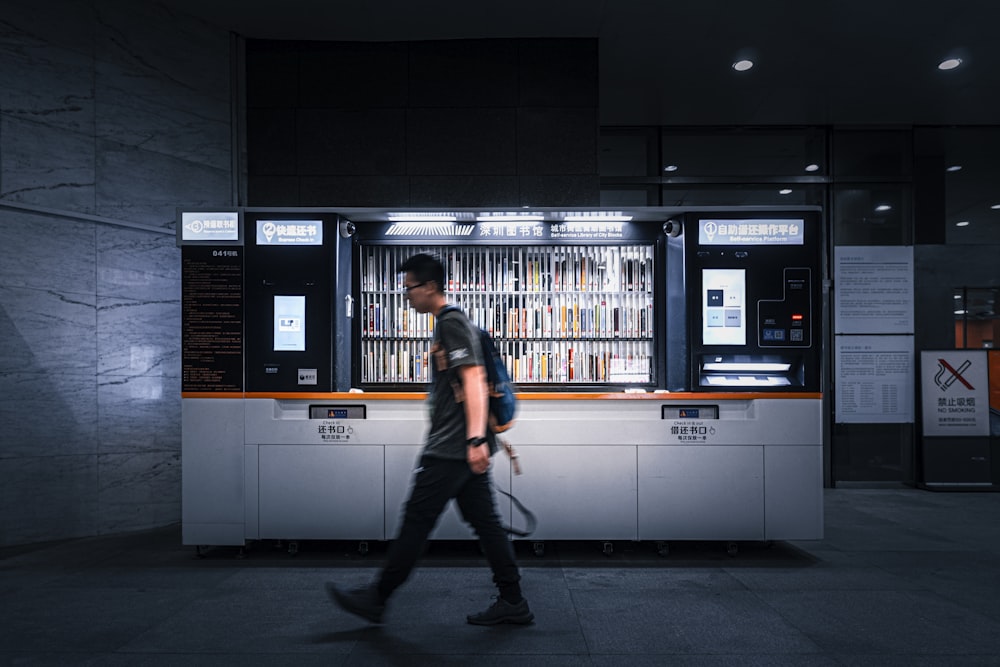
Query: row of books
{"x": 619, "y": 316}
{"x": 520, "y": 269}
{"x": 611, "y": 362}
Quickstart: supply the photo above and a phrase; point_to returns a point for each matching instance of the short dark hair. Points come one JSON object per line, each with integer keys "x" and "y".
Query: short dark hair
{"x": 425, "y": 268}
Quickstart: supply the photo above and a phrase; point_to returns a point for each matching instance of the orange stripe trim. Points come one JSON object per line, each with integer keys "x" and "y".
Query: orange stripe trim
{"x": 525, "y": 396}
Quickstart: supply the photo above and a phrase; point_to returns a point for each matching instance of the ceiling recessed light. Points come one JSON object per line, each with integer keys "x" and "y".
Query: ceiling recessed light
{"x": 785, "y": 191}
{"x": 812, "y": 167}
{"x": 964, "y": 223}
{"x": 742, "y": 65}
{"x": 882, "y": 208}
{"x": 954, "y": 167}
{"x": 949, "y": 63}
{"x": 670, "y": 167}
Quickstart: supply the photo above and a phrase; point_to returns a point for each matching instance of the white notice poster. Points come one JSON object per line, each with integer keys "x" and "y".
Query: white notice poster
{"x": 875, "y": 379}
{"x": 955, "y": 392}
{"x": 873, "y": 289}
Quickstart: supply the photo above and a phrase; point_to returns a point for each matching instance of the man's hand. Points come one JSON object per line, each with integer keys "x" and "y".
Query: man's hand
{"x": 479, "y": 458}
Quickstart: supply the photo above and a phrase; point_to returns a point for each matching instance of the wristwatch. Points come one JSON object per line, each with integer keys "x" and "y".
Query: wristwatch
{"x": 475, "y": 442}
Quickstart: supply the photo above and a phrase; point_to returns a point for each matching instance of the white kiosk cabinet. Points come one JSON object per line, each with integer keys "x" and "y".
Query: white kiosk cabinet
{"x": 661, "y": 467}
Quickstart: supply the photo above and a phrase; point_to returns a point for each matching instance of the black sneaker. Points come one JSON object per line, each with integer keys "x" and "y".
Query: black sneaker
{"x": 363, "y": 602}
{"x": 502, "y": 611}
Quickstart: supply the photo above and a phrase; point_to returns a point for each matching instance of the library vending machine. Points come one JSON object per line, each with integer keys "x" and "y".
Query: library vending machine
{"x": 568, "y": 304}
{"x": 753, "y": 306}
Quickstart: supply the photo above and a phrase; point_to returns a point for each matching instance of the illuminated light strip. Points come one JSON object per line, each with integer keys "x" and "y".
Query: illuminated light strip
{"x": 513, "y": 217}
{"x": 597, "y": 218}
{"x": 422, "y": 217}
{"x": 754, "y": 367}
{"x": 425, "y": 229}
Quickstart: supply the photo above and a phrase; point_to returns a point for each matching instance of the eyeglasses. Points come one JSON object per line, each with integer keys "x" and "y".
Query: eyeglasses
{"x": 413, "y": 287}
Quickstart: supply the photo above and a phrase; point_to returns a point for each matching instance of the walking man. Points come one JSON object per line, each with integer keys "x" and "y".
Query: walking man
{"x": 454, "y": 462}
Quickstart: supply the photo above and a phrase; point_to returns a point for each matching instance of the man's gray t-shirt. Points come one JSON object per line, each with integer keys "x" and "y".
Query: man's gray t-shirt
{"x": 458, "y": 341}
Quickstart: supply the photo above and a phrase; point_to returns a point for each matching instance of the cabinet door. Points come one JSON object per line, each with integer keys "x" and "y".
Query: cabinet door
{"x": 701, "y": 492}
{"x": 579, "y": 492}
{"x": 321, "y": 492}
{"x": 400, "y": 460}
{"x": 794, "y": 481}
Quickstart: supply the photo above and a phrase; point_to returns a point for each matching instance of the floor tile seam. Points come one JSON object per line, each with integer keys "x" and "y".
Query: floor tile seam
{"x": 576, "y": 612}
{"x": 970, "y": 637}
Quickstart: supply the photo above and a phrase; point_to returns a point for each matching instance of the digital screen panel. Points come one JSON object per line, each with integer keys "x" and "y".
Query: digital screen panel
{"x": 289, "y": 324}
{"x": 723, "y": 307}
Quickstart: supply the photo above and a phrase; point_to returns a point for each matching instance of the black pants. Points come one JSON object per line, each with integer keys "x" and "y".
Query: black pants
{"x": 437, "y": 481}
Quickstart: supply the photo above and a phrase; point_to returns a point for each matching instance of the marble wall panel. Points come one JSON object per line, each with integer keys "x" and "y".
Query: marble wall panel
{"x": 46, "y": 253}
{"x": 46, "y": 165}
{"x": 138, "y": 490}
{"x": 48, "y": 497}
{"x": 47, "y": 414}
{"x": 49, "y": 331}
{"x": 127, "y": 175}
{"x": 138, "y": 265}
{"x": 139, "y": 414}
{"x": 461, "y": 141}
{"x": 47, "y": 85}
{"x": 65, "y": 24}
{"x": 138, "y": 338}
{"x": 165, "y": 90}
{"x": 154, "y": 215}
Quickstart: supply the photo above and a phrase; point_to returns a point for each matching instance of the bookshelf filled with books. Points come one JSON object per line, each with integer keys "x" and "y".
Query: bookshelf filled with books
{"x": 562, "y": 314}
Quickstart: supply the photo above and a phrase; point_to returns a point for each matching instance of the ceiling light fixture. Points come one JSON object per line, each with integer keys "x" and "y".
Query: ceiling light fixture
{"x": 785, "y": 191}
{"x": 670, "y": 167}
{"x": 882, "y": 208}
{"x": 954, "y": 167}
{"x": 964, "y": 223}
{"x": 995, "y": 207}
{"x": 742, "y": 65}
{"x": 812, "y": 167}
{"x": 949, "y": 63}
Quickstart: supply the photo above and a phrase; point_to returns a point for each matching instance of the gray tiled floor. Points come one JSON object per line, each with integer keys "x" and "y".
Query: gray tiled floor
{"x": 903, "y": 577}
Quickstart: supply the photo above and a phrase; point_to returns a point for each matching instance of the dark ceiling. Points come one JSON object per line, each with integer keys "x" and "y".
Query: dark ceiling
{"x": 664, "y": 62}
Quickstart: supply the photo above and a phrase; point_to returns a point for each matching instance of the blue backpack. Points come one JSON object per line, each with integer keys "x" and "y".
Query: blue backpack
{"x": 503, "y": 401}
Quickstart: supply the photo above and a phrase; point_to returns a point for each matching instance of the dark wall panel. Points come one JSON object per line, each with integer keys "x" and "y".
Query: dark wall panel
{"x": 461, "y": 141}
{"x": 354, "y": 75}
{"x": 464, "y": 73}
{"x": 498, "y": 122}
{"x": 350, "y": 141}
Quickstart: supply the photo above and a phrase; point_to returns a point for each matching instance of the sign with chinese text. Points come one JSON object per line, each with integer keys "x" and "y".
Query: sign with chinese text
{"x": 289, "y": 232}
{"x": 955, "y": 388}
{"x": 213, "y": 227}
{"x": 751, "y": 232}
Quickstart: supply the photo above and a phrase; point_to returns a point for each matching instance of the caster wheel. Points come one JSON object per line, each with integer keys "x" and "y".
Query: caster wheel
{"x": 608, "y": 548}
{"x": 662, "y": 549}
{"x": 732, "y": 549}
{"x": 363, "y": 548}
{"x": 538, "y": 548}
{"x": 293, "y": 548}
